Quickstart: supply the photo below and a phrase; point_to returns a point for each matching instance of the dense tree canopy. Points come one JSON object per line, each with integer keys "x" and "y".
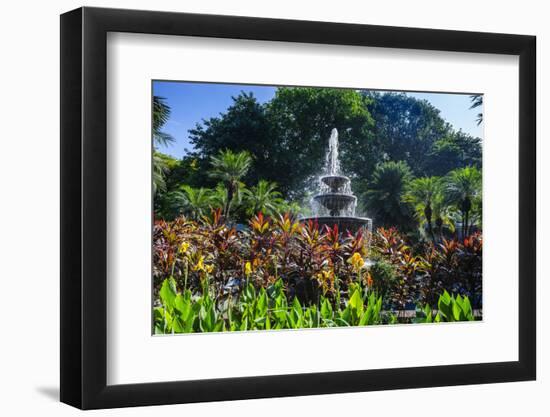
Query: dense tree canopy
{"x": 286, "y": 139}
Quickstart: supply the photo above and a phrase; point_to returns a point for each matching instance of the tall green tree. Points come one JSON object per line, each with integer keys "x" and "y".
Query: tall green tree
{"x": 161, "y": 114}
{"x": 302, "y": 120}
{"x": 287, "y": 137}
{"x": 405, "y": 129}
{"x": 423, "y": 193}
{"x": 229, "y": 168}
{"x": 455, "y": 150}
{"x": 242, "y": 127}
{"x": 384, "y": 195}
{"x": 463, "y": 190}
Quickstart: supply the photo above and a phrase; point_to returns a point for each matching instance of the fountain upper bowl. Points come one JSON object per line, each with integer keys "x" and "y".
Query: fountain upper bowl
{"x": 335, "y": 182}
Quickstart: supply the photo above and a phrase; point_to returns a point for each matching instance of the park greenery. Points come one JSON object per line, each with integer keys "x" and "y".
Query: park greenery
{"x": 230, "y": 251}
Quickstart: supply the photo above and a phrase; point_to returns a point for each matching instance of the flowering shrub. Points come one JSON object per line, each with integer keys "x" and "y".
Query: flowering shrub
{"x": 280, "y": 273}
{"x": 407, "y": 275}
{"x": 310, "y": 262}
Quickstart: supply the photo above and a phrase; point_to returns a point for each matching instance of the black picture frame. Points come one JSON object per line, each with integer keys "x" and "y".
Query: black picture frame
{"x": 84, "y": 207}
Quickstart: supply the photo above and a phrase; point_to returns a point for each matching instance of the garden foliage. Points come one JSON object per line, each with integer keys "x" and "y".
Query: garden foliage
{"x": 282, "y": 274}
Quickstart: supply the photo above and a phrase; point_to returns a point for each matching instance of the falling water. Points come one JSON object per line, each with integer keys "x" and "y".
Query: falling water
{"x": 332, "y": 161}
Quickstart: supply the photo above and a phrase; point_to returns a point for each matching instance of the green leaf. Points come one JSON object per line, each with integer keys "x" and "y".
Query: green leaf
{"x": 178, "y": 325}
{"x": 345, "y": 315}
{"x": 428, "y": 313}
{"x": 261, "y": 305}
{"x": 445, "y": 305}
{"x": 207, "y": 317}
{"x": 366, "y": 318}
{"x": 182, "y": 305}
{"x": 466, "y": 309}
{"x": 356, "y": 305}
{"x": 457, "y": 311}
{"x": 326, "y": 309}
{"x": 249, "y": 293}
{"x": 168, "y": 292}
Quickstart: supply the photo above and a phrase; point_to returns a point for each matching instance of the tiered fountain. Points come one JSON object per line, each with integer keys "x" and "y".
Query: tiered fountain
{"x": 336, "y": 203}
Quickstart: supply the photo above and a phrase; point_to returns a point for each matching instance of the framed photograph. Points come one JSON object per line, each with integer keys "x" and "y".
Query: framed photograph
{"x": 257, "y": 208}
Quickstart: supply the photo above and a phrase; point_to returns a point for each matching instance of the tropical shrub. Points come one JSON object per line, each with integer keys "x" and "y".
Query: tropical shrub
{"x": 281, "y": 273}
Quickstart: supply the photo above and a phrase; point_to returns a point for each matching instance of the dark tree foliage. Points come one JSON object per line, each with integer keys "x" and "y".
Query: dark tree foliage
{"x": 383, "y": 198}
{"x": 405, "y": 129}
{"x": 302, "y": 120}
{"x": 287, "y": 137}
{"x": 244, "y": 127}
{"x": 455, "y": 150}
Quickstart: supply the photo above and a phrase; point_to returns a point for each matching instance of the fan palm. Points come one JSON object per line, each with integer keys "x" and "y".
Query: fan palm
{"x": 421, "y": 193}
{"x": 463, "y": 189}
{"x": 263, "y": 198}
{"x": 384, "y": 193}
{"x": 229, "y": 168}
{"x": 191, "y": 202}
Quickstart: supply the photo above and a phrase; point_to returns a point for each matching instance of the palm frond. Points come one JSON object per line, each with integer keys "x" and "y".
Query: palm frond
{"x": 477, "y": 101}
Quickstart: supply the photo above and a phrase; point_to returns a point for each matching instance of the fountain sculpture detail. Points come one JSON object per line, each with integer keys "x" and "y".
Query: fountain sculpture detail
{"x": 336, "y": 203}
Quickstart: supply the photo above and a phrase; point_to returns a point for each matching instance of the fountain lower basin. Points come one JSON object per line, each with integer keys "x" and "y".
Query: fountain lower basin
{"x": 345, "y": 223}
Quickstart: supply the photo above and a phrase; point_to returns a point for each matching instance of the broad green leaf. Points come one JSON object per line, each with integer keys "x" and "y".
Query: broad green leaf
{"x": 366, "y": 318}
{"x": 445, "y": 306}
{"x": 457, "y": 311}
{"x": 356, "y": 304}
{"x": 168, "y": 292}
{"x": 261, "y": 306}
{"x": 467, "y": 309}
{"x": 326, "y": 309}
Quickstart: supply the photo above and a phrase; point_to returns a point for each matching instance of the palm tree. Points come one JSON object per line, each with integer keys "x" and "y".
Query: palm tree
{"x": 161, "y": 114}
{"x": 440, "y": 207}
{"x": 192, "y": 202}
{"x": 384, "y": 193}
{"x": 230, "y": 167}
{"x": 263, "y": 198}
{"x": 159, "y": 170}
{"x": 477, "y": 101}
{"x": 463, "y": 188}
{"x": 218, "y": 198}
{"x": 422, "y": 193}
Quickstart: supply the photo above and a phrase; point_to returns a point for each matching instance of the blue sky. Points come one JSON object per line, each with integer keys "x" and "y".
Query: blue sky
{"x": 193, "y": 102}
